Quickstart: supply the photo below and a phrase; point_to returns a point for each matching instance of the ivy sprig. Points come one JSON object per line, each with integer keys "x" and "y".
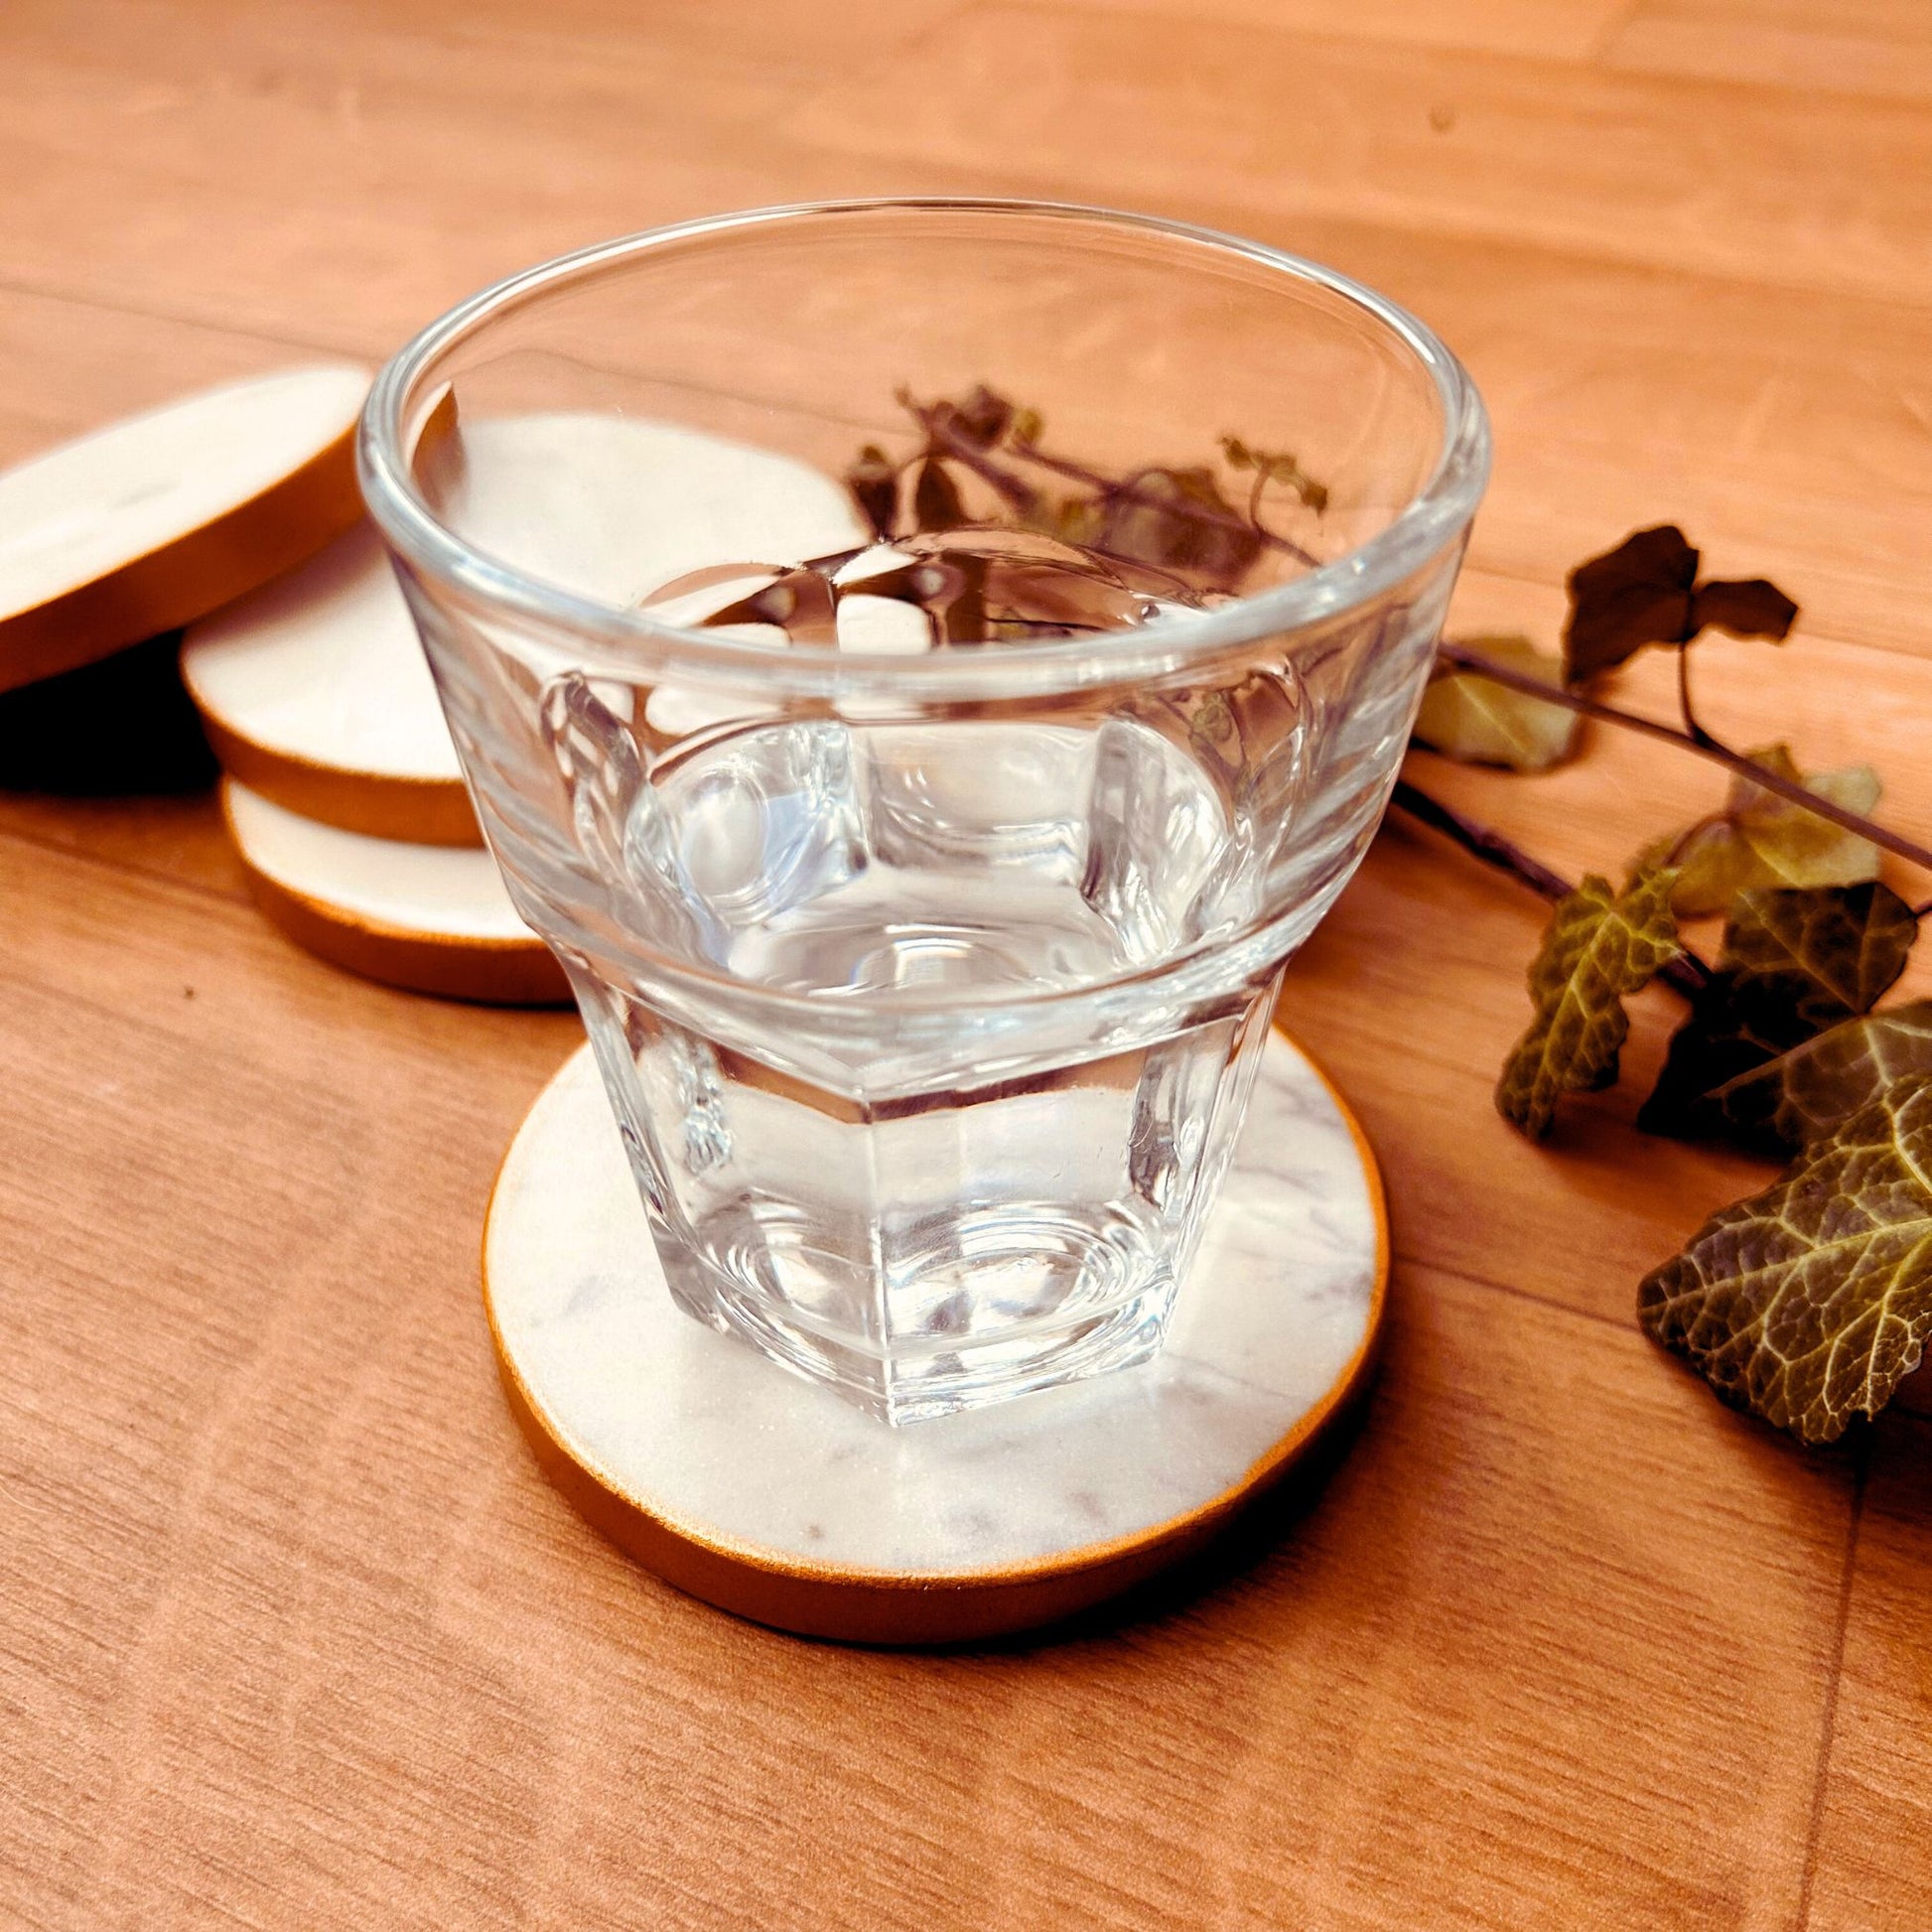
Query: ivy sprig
{"x": 982, "y": 460}
{"x": 1808, "y": 1302}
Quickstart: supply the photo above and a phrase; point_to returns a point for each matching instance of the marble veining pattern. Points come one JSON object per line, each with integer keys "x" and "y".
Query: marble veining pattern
{"x": 710, "y": 1436}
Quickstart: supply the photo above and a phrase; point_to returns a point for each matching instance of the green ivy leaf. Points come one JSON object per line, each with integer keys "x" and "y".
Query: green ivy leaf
{"x": 1808, "y": 1303}
{"x": 1762, "y": 839}
{"x": 1831, "y": 950}
{"x": 1467, "y": 715}
{"x": 1810, "y": 1091}
{"x": 1793, "y": 963}
{"x": 1600, "y": 947}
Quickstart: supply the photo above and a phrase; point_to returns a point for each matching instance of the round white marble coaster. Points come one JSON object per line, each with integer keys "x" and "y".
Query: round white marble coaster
{"x": 315, "y": 694}
{"x": 432, "y": 918}
{"x": 774, "y": 1498}
{"x": 157, "y": 519}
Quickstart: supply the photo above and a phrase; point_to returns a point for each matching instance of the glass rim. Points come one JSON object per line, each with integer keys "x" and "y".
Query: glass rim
{"x": 1443, "y": 505}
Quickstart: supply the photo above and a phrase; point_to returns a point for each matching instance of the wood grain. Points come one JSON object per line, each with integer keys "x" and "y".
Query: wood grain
{"x": 1792, "y": 424}
{"x": 1854, "y": 47}
{"x": 292, "y": 1633}
{"x": 1660, "y": 172}
{"x": 1573, "y": 29}
{"x": 1875, "y": 1837}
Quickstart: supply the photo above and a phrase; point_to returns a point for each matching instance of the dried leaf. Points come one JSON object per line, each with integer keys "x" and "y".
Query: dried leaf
{"x": 1600, "y": 945}
{"x": 981, "y": 419}
{"x": 1793, "y": 963}
{"x": 1177, "y": 520}
{"x": 1467, "y": 715}
{"x": 1074, "y": 520}
{"x": 1762, "y": 839}
{"x": 1283, "y": 469}
{"x": 1279, "y": 466}
{"x": 1808, "y": 1303}
{"x": 1635, "y": 594}
{"x": 936, "y": 503}
{"x": 874, "y": 484}
{"x": 1810, "y": 1091}
{"x": 1750, "y": 607}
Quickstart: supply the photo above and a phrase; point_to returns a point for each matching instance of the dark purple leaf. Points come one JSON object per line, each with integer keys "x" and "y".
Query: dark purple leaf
{"x": 874, "y": 484}
{"x": 1635, "y": 594}
{"x": 935, "y": 499}
{"x": 1747, "y": 608}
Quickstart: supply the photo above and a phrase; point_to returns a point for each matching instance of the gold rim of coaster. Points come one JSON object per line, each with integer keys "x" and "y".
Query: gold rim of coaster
{"x": 881, "y": 1606}
{"x": 378, "y": 804}
{"x": 187, "y": 575}
{"x": 453, "y": 966}
{"x": 257, "y": 668}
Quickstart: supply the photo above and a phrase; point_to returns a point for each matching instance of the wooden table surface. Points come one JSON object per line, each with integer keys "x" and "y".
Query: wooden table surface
{"x": 292, "y": 1633}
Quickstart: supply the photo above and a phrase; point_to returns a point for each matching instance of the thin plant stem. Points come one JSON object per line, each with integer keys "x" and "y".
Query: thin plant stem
{"x": 1704, "y": 747}
{"x": 1686, "y": 974}
{"x": 1692, "y": 723}
{"x": 1684, "y": 705}
{"x": 1481, "y": 842}
{"x": 1200, "y": 513}
{"x": 943, "y": 438}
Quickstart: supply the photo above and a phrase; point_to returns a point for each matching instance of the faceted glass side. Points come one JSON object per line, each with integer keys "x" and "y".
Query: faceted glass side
{"x": 935, "y": 1249}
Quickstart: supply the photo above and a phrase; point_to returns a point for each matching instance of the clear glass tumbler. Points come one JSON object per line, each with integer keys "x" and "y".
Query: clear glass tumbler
{"x": 925, "y": 666}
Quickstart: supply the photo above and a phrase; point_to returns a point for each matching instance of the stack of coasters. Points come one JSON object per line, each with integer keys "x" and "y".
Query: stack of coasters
{"x": 234, "y": 514}
{"x": 342, "y": 792}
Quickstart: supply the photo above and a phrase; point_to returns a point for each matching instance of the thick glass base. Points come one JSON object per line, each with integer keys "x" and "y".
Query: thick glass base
{"x": 940, "y": 1248}
{"x": 1022, "y": 1297}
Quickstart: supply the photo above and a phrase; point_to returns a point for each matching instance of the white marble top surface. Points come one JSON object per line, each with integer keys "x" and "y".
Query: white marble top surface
{"x": 710, "y": 1436}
